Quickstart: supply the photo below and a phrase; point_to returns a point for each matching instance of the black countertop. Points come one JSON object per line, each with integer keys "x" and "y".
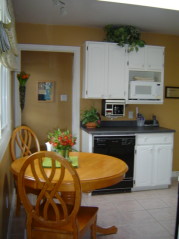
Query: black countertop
{"x": 125, "y": 127}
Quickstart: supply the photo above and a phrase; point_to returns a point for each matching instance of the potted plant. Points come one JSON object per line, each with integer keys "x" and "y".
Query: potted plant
{"x": 90, "y": 118}
{"x": 123, "y": 35}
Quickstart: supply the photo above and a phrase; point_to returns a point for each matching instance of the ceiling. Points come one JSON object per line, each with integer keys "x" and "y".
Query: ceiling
{"x": 92, "y": 13}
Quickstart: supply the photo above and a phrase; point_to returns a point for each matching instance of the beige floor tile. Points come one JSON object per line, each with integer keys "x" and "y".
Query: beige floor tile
{"x": 152, "y": 203}
{"x": 168, "y": 213}
{"x": 137, "y": 215}
{"x": 169, "y": 225}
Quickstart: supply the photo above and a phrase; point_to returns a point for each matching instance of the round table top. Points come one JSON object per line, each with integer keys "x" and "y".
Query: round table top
{"x": 95, "y": 170}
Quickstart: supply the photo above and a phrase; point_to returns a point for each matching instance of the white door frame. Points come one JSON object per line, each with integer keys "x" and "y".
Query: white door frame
{"x": 75, "y": 83}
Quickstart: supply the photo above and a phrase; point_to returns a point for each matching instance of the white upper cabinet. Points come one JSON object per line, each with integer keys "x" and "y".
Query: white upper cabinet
{"x": 95, "y": 66}
{"x": 116, "y": 87}
{"x": 146, "y": 58}
{"x": 145, "y": 74}
{"x": 155, "y": 57}
{"x": 104, "y": 71}
{"x": 110, "y": 71}
{"x": 136, "y": 60}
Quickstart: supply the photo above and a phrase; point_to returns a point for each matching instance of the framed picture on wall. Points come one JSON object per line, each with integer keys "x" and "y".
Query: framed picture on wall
{"x": 172, "y": 92}
{"x": 45, "y": 91}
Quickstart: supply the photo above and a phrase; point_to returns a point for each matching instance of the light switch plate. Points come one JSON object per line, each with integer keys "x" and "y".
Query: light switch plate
{"x": 63, "y": 97}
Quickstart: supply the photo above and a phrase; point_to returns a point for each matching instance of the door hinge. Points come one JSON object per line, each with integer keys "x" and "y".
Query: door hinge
{"x": 87, "y": 48}
{"x": 134, "y": 181}
{"x": 86, "y": 92}
{"x": 127, "y": 63}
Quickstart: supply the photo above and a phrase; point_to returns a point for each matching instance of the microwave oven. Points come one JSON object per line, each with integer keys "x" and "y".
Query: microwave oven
{"x": 113, "y": 108}
{"x": 145, "y": 90}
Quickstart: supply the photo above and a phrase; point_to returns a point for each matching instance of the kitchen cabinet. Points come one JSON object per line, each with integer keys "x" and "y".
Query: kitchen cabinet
{"x": 144, "y": 67}
{"x": 104, "y": 71}
{"x": 153, "y": 161}
{"x": 109, "y": 69}
{"x": 146, "y": 58}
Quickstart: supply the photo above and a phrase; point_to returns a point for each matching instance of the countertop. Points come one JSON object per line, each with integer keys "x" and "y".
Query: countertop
{"x": 125, "y": 127}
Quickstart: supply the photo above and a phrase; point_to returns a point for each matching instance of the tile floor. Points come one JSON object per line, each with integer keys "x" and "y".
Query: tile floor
{"x": 137, "y": 215}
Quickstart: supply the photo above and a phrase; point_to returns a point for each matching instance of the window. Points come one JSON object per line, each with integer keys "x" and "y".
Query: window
{"x": 5, "y": 108}
{"x": 4, "y": 94}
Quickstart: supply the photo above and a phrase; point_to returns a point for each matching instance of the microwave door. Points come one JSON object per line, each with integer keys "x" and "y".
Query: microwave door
{"x": 142, "y": 90}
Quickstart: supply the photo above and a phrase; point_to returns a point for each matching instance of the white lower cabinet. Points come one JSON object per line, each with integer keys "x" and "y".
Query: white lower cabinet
{"x": 153, "y": 161}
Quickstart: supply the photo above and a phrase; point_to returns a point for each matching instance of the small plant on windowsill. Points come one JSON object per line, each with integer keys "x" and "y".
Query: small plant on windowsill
{"x": 91, "y": 118}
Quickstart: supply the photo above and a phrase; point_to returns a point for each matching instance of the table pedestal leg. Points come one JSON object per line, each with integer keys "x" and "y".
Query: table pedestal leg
{"x": 106, "y": 230}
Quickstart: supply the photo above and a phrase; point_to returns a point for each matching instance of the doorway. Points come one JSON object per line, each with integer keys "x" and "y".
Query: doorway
{"x": 75, "y": 83}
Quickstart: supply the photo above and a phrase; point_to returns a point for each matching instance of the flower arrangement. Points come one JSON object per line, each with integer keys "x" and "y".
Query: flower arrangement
{"x": 61, "y": 140}
{"x": 22, "y": 78}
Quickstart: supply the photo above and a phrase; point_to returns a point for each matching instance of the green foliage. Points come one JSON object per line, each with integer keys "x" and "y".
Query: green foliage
{"x": 124, "y": 35}
{"x": 90, "y": 115}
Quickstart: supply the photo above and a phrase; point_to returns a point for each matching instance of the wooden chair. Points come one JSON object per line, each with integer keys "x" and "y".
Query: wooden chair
{"x": 23, "y": 143}
{"x": 51, "y": 216}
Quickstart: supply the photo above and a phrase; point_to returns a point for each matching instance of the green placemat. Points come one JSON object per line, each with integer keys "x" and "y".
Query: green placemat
{"x": 47, "y": 162}
{"x": 74, "y": 161}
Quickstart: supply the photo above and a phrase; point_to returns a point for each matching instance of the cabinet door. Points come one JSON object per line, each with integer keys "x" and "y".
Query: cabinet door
{"x": 136, "y": 60}
{"x": 154, "y": 57}
{"x": 117, "y": 86}
{"x": 143, "y": 166}
{"x": 163, "y": 164}
{"x": 96, "y": 70}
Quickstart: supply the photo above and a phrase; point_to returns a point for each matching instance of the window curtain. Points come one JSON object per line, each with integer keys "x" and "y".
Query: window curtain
{"x": 8, "y": 43}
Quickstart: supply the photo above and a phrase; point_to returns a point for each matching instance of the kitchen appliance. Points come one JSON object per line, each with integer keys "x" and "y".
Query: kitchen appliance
{"x": 121, "y": 147}
{"x": 145, "y": 90}
{"x": 113, "y": 108}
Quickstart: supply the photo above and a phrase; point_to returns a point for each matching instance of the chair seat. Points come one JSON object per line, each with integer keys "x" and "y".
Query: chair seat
{"x": 84, "y": 217}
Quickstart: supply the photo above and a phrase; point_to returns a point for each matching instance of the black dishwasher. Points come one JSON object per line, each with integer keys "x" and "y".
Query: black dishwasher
{"x": 121, "y": 147}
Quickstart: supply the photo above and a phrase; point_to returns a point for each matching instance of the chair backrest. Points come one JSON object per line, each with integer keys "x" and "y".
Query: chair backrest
{"x": 50, "y": 209}
{"x": 23, "y": 142}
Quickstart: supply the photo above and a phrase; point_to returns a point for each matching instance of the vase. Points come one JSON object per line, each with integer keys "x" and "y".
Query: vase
{"x": 64, "y": 153}
{"x": 22, "y": 90}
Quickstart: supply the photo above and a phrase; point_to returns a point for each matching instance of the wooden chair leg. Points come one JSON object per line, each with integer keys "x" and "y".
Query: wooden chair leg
{"x": 18, "y": 204}
{"x": 93, "y": 230}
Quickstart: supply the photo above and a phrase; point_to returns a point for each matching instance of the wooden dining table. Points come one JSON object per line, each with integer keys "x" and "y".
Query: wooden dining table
{"x": 95, "y": 171}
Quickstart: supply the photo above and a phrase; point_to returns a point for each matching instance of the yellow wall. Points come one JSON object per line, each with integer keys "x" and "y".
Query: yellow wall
{"x": 167, "y": 114}
{"x": 44, "y": 117}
